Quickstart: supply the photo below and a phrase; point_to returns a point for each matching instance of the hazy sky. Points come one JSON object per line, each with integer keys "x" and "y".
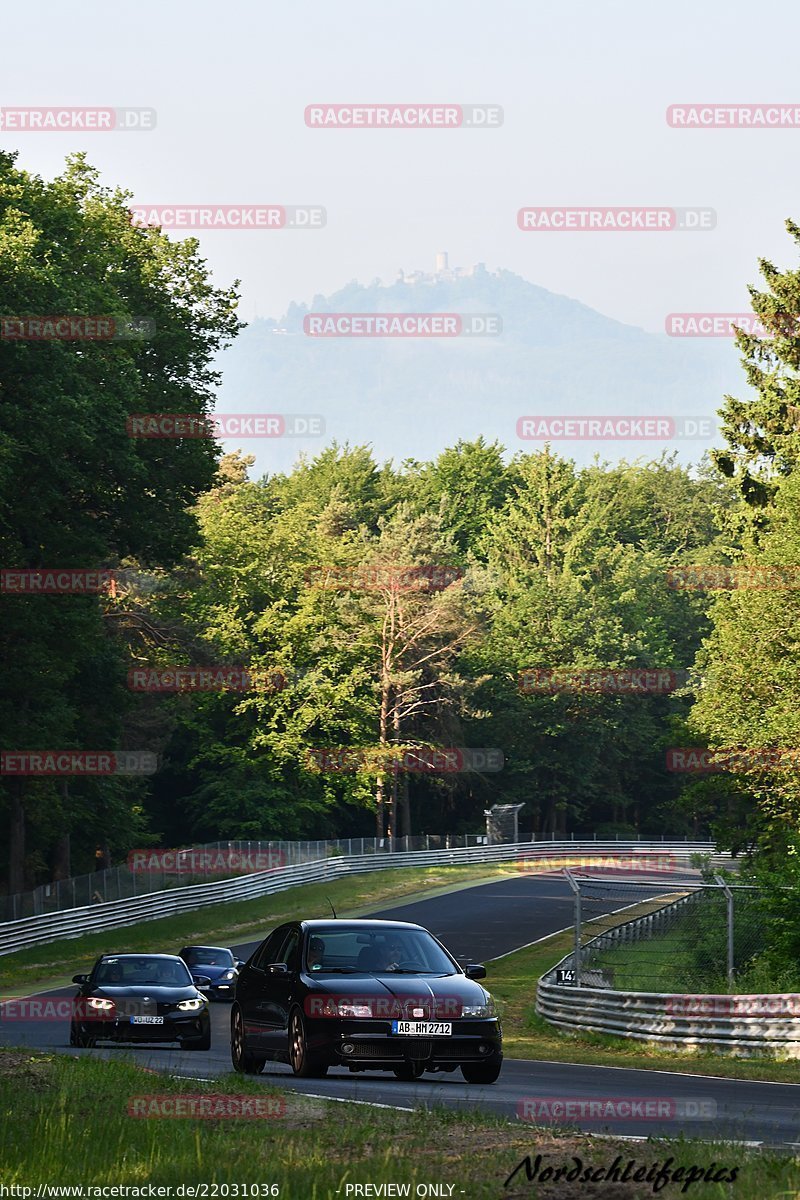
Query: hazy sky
{"x": 584, "y": 87}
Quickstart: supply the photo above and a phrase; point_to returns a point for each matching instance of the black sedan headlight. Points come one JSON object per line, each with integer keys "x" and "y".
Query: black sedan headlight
{"x": 487, "y": 1009}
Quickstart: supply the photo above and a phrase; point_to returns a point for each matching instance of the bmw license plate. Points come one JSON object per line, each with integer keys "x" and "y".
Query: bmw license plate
{"x": 147, "y": 1020}
{"x": 423, "y": 1028}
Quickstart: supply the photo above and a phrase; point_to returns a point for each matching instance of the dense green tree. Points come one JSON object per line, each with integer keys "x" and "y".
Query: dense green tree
{"x": 466, "y": 484}
{"x": 76, "y": 490}
{"x": 762, "y": 432}
{"x": 750, "y": 667}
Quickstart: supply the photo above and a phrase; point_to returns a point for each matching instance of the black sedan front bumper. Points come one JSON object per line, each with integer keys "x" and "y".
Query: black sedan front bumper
{"x": 371, "y": 1044}
{"x": 176, "y": 1027}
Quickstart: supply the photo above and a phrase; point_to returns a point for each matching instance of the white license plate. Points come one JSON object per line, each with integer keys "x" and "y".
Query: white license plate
{"x": 147, "y": 1020}
{"x": 423, "y": 1028}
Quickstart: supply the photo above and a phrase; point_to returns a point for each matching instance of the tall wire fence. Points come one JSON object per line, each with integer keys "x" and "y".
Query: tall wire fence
{"x": 202, "y": 864}
{"x": 654, "y": 936}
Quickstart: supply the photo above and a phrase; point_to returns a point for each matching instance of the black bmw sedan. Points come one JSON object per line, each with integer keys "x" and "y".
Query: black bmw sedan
{"x": 139, "y": 998}
{"x": 368, "y": 995}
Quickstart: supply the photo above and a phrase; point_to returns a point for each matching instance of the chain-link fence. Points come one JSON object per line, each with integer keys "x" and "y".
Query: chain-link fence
{"x": 646, "y": 936}
{"x": 203, "y": 864}
{"x": 121, "y": 883}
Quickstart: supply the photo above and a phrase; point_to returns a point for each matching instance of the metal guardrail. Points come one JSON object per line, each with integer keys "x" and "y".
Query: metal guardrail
{"x": 122, "y": 882}
{"x": 115, "y": 914}
{"x": 742, "y": 1025}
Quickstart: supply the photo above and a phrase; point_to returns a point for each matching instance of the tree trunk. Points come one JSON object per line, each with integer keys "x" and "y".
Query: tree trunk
{"x": 383, "y": 727}
{"x": 379, "y": 807}
{"x": 61, "y": 854}
{"x": 16, "y": 839}
{"x": 405, "y": 806}
{"x": 380, "y": 783}
{"x": 393, "y": 828}
{"x": 62, "y": 867}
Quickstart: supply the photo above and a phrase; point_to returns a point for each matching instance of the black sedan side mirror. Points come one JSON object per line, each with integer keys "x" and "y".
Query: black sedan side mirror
{"x": 475, "y": 971}
{"x": 278, "y": 969}
{"x": 201, "y": 981}
{"x": 80, "y": 978}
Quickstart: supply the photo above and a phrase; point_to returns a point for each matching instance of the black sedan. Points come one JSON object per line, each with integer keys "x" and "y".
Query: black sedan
{"x": 368, "y": 995}
{"x": 139, "y": 998}
{"x": 216, "y": 966}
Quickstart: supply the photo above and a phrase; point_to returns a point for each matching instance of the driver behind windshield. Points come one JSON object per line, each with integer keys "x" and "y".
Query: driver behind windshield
{"x": 392, "y": 955}
{"x": 316, "y": 950}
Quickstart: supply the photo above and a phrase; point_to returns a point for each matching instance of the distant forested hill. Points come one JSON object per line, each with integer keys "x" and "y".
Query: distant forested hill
{"x": 411, "y": 397}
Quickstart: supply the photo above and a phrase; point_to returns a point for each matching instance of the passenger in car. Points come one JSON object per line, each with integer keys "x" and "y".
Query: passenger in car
{"x": 316, "y": 950}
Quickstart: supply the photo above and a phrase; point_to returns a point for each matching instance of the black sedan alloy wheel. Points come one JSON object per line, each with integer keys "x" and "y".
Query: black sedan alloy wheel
{"x": 243, "y": 1061}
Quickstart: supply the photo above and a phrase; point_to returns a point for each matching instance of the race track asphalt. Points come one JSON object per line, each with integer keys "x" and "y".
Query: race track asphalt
{"x": 485, "y": 922}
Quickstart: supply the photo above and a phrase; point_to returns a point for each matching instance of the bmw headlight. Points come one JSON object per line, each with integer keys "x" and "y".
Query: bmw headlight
{"x": 190, "y": 1005}
{"x": 479, "y": 1010}
{"x": 102, "y": 1005}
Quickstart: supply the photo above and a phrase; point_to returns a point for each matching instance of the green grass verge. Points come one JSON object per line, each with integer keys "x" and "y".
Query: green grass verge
{"x": 659, "y": 964}
{"x": 54, "y": 964}
{"x": 65, "y": 1122}
{"x": 512, "y": 981}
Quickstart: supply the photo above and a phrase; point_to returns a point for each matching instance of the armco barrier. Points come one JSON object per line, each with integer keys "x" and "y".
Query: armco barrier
{"x": 115, "y": 914}
{"x": 740, "y": 1025}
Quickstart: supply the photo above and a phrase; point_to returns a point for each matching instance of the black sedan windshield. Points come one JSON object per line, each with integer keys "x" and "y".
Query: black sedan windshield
{"x": 349, "y": 950}
{"x": 207, "y": 956}
{"x": 132, "y": 972}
